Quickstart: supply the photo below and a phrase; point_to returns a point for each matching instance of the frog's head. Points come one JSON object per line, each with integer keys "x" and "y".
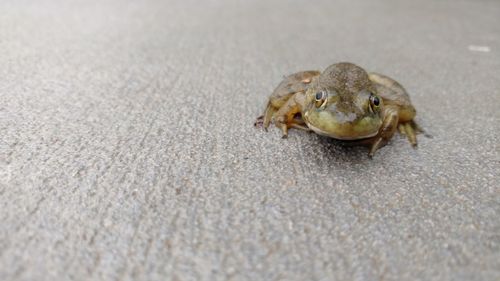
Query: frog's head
{"x": 342, "y": 103}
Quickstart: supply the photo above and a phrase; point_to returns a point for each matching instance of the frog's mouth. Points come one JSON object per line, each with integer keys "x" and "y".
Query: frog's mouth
{"x": 347, "y": 130}
{"x": 340, "y": 137}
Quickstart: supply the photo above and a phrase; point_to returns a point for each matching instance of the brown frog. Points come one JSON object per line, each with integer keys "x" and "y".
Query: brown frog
{"x": 343, "y": 102}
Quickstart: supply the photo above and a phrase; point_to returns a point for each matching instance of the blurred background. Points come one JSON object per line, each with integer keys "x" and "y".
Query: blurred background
{"x": 128, "y": 152}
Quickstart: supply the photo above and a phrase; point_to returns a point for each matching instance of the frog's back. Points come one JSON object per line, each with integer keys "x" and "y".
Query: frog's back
{"x": 345, "y": 76}
{"x": 291, "y": 84}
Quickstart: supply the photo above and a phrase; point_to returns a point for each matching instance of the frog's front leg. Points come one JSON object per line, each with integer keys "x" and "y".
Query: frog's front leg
{"x": 265, "y": 119}
{"x": 389, "y": 126}
{"x": 285, "y": 117}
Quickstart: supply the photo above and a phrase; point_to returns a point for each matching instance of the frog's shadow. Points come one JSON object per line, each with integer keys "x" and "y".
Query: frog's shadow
{"x": 337, "y": 150}
{"x": 351, "y": 152}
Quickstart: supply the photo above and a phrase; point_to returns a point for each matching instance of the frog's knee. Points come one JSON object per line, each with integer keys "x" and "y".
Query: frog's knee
{"x": 407, "y": 113}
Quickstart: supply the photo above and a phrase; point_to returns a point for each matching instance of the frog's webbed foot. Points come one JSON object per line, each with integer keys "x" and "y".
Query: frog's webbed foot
{"x": 410, "y": 129}
{"x": 259, "y": 121}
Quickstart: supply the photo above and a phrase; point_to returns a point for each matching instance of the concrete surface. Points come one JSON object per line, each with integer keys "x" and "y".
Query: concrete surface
{"x": 127, "y": 149}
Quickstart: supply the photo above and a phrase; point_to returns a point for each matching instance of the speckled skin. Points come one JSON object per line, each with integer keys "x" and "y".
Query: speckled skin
{"x": 343, "y": 102}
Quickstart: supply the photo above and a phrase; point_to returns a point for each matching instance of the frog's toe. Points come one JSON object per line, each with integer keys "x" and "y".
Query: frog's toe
{"x": 378, "y": 143}
{"x": 410, "y": 131}
{"x": 280, "y": 123}
{"x": 259, "y": 121}
{"x": 401, "y": 129}
{"x": 268, "y": 115}
{"x": 419, "y": 129}
{"x": 300, "y": 127}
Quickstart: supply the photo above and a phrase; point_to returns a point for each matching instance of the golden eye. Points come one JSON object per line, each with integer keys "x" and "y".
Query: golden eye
{"x": 320, "y": 98}
{"x": 374, "y": 101}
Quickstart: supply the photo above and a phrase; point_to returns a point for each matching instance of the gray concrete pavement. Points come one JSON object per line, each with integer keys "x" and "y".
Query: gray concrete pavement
{"x": 127, "y": 150}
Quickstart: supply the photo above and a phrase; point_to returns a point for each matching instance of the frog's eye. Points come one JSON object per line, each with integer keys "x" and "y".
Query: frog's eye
{"x": 374, "y": 101}
{"x": 320, "y": 98}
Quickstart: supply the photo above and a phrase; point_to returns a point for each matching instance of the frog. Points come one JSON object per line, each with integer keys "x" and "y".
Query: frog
{"x": 344, "y": 102}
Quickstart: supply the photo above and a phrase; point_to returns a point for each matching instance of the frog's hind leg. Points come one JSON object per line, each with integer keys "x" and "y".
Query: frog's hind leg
{"x": 401, "y": 129}
{"x": 299, "y": 123}
{"x": 289, "y": 87}
{"x": 410, "y": 133}
{"x": 419, "y": 129}
{"x": 300, "y": 127}
{"x": 410, "y": 129}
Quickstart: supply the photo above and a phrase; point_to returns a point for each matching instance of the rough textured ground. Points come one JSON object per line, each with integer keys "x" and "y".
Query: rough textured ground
{"x": 127, "y": 150}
